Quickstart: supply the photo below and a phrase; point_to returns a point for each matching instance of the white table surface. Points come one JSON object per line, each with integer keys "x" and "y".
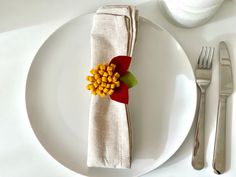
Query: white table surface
{"x": 26, "y": 24}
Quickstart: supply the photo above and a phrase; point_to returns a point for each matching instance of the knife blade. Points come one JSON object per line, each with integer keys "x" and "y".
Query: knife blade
{"x": 225, "y": 90}
{"x": 226, "y": 76}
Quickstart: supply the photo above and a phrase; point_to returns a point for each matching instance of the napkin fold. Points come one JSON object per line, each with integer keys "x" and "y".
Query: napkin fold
{"x": 109, "y": 135}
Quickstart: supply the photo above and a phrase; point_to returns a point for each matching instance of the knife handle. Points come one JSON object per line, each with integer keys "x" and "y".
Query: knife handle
{"x": 198, "y": 150}
{"x": 219, "y": 148}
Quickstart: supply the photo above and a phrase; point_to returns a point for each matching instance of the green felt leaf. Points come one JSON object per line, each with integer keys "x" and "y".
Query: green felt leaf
{"x": 129, "y": 79}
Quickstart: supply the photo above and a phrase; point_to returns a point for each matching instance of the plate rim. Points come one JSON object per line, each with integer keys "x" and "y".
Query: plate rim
{"x": 156, "y": 164}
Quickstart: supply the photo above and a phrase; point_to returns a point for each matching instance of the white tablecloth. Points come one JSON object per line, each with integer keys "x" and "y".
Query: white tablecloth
{"x": 26, "y": 24}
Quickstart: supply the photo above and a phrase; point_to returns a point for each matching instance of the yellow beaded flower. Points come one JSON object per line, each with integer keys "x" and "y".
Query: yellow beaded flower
{"x": 112, "y": 79}
{"x": 104, "y": 79}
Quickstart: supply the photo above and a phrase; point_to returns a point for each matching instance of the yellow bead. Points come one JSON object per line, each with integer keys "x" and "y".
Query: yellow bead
{"x": 108, "y": 85}
{"x": 99, "y": 80}
{"x": 101, "y": 72}
{"x": 110, "y": 73}
{"x": 97, "y": 67}
{"x": 114, "y": 79}
{"x": 103, "y": 84}
{"x": 109, "y": 68}
{"x": 94, "y": 92}
{"x": 98, "y": 91}
{"x": 93, "y": 71}
{"x": 92, "y": 87}
{"x": 102, "y": 94}
{"x": 117, "y": 75}
{"x": 105, "y": 90}
{"x": 109, "y": 79}
{"x": 104, "y": 79}
{"x": 87, "y": 78}
{"x": 105, "y": 74}
{"x": 113, "y": 86}
{"x": 95, "y": 84}
{"x": 88, "y": 87}
{"x": 96, "y": 76}
{"x": 110, "y": 92}
{"x": 102, "y": 67}
{"x": 113, "y": 66}
{"x": 100, "y": 87}
{"x": 117, "y": 83}
{"x": 91, "y": 78}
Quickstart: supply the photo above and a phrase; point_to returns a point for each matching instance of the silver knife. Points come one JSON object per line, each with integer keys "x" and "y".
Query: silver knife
{"x": 225, "y": 90}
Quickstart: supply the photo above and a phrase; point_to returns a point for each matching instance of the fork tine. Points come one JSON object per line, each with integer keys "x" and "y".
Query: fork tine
{"x": 198, "y": 61}
{"x": 200, "y": 58}
{"x": 206, "y": 57}
{"x": 209, "y": 64}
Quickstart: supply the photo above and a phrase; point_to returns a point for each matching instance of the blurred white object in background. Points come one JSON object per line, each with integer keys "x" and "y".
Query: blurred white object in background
{"x": 190, "y": 13}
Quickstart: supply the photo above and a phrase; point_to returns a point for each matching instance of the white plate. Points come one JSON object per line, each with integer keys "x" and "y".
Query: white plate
{"x": 162, "y": 105}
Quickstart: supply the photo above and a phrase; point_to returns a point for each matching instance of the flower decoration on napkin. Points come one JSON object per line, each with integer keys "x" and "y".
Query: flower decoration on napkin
{"x": 112, "y": 79}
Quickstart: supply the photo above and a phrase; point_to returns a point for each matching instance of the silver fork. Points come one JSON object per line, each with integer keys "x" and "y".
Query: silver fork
{"x": 203, "y": 77}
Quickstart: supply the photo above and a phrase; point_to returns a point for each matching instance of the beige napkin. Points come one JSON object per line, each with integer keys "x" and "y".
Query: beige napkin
{"x": 109, "y": 137}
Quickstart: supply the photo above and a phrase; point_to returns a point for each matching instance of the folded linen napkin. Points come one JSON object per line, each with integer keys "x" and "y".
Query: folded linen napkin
{"x": 109, "y": 137}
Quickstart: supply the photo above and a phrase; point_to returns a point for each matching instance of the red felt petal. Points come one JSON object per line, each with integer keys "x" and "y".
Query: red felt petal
{"x": 122, "y": 63}
{"x": 121, "y": 94}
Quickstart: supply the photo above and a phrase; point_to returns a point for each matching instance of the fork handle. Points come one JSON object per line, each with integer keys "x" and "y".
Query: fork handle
{"x": 219, "y": 148}
{"x": 198, "y": 150}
